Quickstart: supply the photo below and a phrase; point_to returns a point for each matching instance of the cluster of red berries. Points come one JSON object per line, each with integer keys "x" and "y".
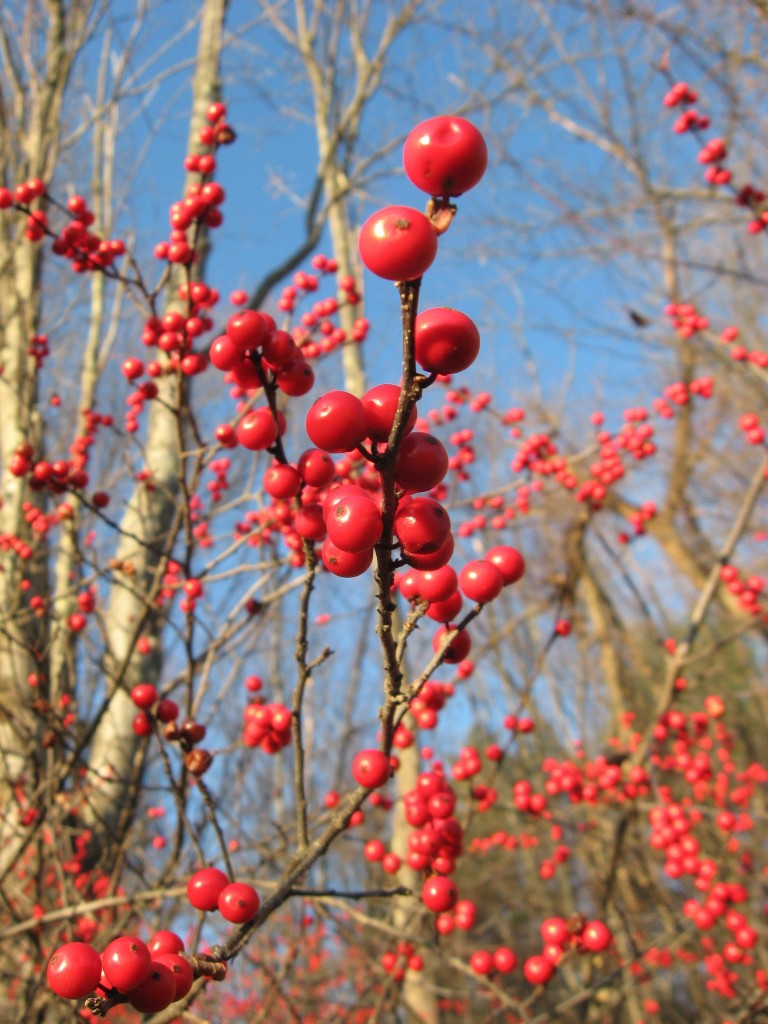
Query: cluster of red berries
{"x": 210, "y": 889}
{"x": 148, "y": 976}
{"x": 267, "y": 726}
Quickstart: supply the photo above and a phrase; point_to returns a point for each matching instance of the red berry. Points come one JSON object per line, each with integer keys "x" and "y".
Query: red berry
{"x": 445, "y": 156}
{"x": 345, "y": 563}
{"x": 371, "y": 768}
{"x": 421, "y": 525}
{"x": 144, "y": 695}
{"x": 204, "y": 887}
{"x": 446, "y": 341}
{"x": 439, "y": 894}
{"x": 165, "y": 941}
{"x": 595, "y": 936}
{"x": 181, "y": 971}
{"x": 504, "y": 960}
{"x": 459, "y": 647}
{"x": 156, "y": 991}
{"x": 355, "y": 523}
{"x": 380, "y": 406}
{"x": 481, "y": 581}
{"x": 336, "y": 422}
{"x": 481, "y": 961}
{"x": 397, "y": 243}
{"x": 257, "y": 430}
{"x": 247, "y": 329}
{"x": 508, "y": 561}
{"x": 126, "y": 962}
{"x": 74, "y": 970}
{"x": 317, "y": 468}
{"x": 538, "y": 970}
{"x": 421, "y": 463}
{"x": 238, "y": 902}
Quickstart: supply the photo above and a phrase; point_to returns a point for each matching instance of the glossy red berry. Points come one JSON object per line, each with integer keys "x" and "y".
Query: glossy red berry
{"x": 421, "y": 463}
{"x": 257, "y": 430}
{"x": 459, "y": 647}
{"x": 126, "y": 962}
{"x": 398, "y": 243}
{"x": 504, "y": 960}
{"x": 538, "y": 970}
{"x": 421, "y": 524}
{"x": 345, "y": 563}
{"x": 508, "y": 561}
{"x": 181, "y": 971}
{"x": 445, "y": 340}
{"x": 165, "y": 941}
{"x": 380, "y": 406}
{"x": 144, "y": 695}
{"x": 445, "y": 156}
{"x": 355, "y": 523}
{"x": 317, "y": 468}
{"x": 481, "y": 961}
{"x": 238, "y": 902}
{"x": 439, "y": 894}
{"x": 480, "y": 581}
{"x": 336, "y": 422}
{"x": 371, "y": 768}
{"x": 156, "y": 991}
{"x": 595, "y": 936}
{"x": 204, "y": 888}
{"x": 74, "y": 970}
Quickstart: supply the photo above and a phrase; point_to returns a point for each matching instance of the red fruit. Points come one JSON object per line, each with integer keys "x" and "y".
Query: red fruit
{"x": 336, "y": 422}
{"x": 481, "y": 961}
{"x": 431, "y": 559}
{"x": 165, "y": 941}
{"x": 316, "y": 468}
{"x": 480, "y": 581}
{"x": 144, "y": 695}
{"x": 504, "y": 960}
{"x": 445, "y": 156}
{"x": 446, "y": 341}
{"x": 74, "y": 970}
{"x": 142, "y": 724}
{"x": 156, "y": 991}
{"x": 355, "y": 523}
{"x": 421, "y": 463}
{"x": 132, "y": 368}
{"x": 204, "y": 888}
{"x": 421, "y": 525}
{"x": 247, "y": 329}
{"x": 380, "y": 406}
{"x": 554, "y": 930}
{"x": 181, "y": 972}
{"x": 459, "y": 647}
{"x": 344, "y": 563}
{"x": 126, "y": 962}
{"x": 446, "y": 611}
{"x": 282, "y": 481}
{"x": 224, "y": 353}
{"x": 538, "y": 970}
{"x": 397, "y": 243}
{"x": 436, "y": 584}
{"x": 508, "y": 561}
{"x": 374, "y": 850}
{"x": 595, "y": 936}
{"x": 371, "y": 768}
{"x": 279, "y": 350}
{"x": 297, "y": 378}
{"x": 238, "y": 902}
{"x": 257, "y": 430}
{"x": 439, "y": 894}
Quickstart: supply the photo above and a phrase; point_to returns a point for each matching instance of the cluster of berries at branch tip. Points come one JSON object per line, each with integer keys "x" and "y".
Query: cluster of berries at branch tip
{"x": 713, "y": 154}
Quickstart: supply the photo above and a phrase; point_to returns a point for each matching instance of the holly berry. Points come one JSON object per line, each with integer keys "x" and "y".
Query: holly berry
{"x": 439, "y": 894}
{"x": 74, "y": 970}
{"x": 204, "y": 888}
{"x": 336, "y": 422}
{"x": 421, "y": 463}
{"x": 371, "y": 768}
{"x": 595, "y": 936}
{"x": 508, "y": 561}
{"x": 181, "y": 972}
{"x": 126, "y": 962}
{"x": 144, "y": 695}
{"x": 445, "y": 156}
{"x": 538, "y": 970}
{"x": 345, "y": 563}
{"x": 238, "y": 902}
{"x": 481, "y": 581}
{"x": 380, "y": 406}
{"x": 257, "y": 430}
{"x": 397, "y": 243}
{"x": 355, "y": 523}
{"x": 445, "y": 341}
{"x": 481, "y": 961}
{"x": 165, "y": 941}
{"x": 504, "y": 960}
{"x": 156, "y": 991}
